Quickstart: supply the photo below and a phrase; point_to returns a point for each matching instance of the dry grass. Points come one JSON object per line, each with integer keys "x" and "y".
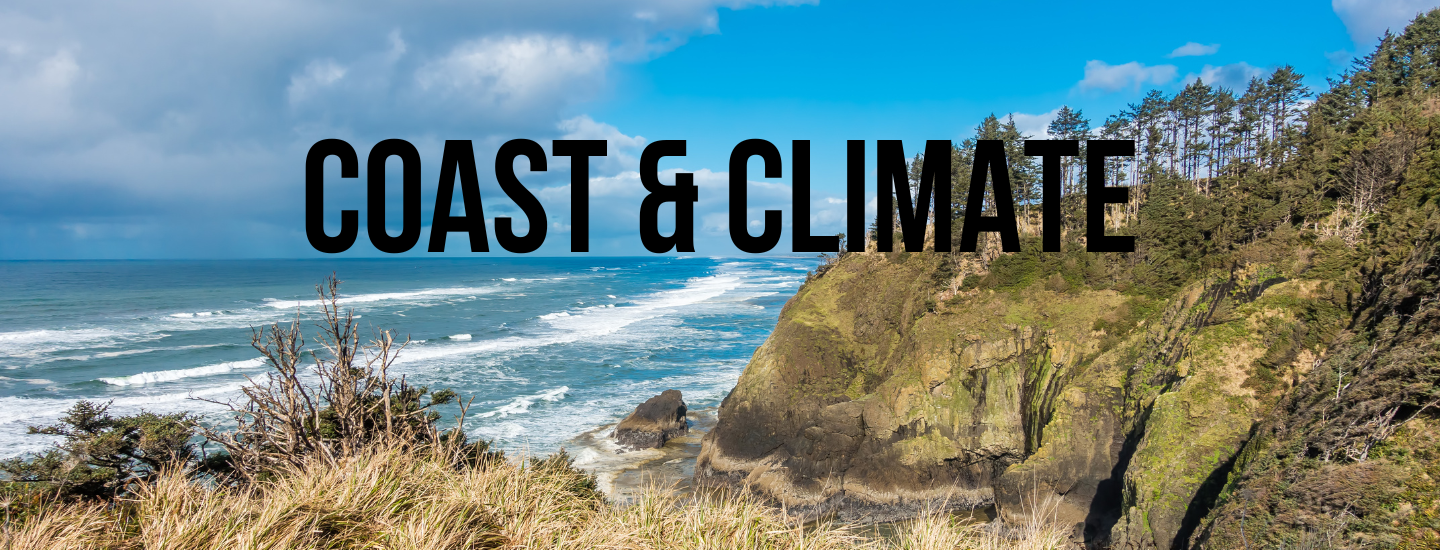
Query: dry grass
{"x": 936, "y": 531}
{"x": 401, "y": 500}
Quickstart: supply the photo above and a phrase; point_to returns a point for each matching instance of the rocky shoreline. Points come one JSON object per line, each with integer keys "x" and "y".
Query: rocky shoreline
{"x": 622, "y": 474}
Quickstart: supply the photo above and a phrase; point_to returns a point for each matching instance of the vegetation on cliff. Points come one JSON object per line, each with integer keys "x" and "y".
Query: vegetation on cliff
{"x": 1260, "y": 372}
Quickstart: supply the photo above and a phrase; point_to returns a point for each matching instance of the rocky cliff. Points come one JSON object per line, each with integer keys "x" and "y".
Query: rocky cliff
{"x": 873, "y": 399}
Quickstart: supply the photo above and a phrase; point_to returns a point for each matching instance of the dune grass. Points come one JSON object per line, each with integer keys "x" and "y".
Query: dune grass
{"x": 408, "y": 500}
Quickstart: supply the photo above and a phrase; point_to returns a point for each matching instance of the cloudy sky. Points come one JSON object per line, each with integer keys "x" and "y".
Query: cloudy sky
{"x": 179, "y": 129}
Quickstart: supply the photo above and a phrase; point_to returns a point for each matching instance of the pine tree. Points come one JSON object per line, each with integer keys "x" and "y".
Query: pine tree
{"x": 1071, "y": 124}
{"x": 1252, "y": 112}
{"x": 1221, "y": 128}
{"x": 915, "y": 170}
{"x": 962, "y": 160}
{"x": 1024, "y": 172}
{"x": 1286, "y": 94}
{"x": 1190, "y": 107}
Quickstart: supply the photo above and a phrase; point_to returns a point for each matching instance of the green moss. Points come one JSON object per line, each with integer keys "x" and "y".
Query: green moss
{"x": 856, "y": 390}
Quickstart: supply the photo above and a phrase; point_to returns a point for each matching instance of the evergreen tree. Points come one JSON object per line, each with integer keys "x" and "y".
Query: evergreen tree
{"x": 913, "y": 173}
{"x": 1071, "y": 124}
{"x": 1024, "y": 171}
{"x": 1286, "y": 93}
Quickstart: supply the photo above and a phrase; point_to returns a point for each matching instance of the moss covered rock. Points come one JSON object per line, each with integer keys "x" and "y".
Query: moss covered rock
{"x": 874, "y": 399}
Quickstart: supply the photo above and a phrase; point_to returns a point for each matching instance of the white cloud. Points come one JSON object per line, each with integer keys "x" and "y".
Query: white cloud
{"x": 317, "y": 75}
{"x": 1109, "y": 78}
{"x": 621, "y": 150}
{"x": 189, "y": 117}
{"x": 1035, "y": 126}
{"x": 584, "y": 127}
{"x": 1194, "y": 49}
{"x": 514, "y": 73}
{"x": 1368, "y": 19}
{"x": 1235, "y": 76}
{"x": 36, "y": 91}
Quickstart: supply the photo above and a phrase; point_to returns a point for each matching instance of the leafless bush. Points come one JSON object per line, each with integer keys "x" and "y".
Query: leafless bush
{"x": 1367, "y": 182}
{"x": 1328, "y": 532}
{"x": 353, "y": 404}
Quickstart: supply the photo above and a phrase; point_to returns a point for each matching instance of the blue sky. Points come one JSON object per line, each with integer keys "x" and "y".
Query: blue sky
{"x": 178, "y": 129}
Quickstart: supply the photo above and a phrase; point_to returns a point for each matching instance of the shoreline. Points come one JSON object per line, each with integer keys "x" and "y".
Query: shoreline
{"x": 623, "y": 475}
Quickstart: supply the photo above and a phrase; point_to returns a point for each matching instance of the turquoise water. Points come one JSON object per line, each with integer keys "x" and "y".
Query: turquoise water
{"x": 549, "y": 347}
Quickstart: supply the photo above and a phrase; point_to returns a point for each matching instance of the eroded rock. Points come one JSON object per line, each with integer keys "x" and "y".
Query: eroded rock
{"x": 657, "y": 420}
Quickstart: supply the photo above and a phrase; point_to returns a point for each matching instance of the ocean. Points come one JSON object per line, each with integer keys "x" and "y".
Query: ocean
{"x": 553, "y": 350}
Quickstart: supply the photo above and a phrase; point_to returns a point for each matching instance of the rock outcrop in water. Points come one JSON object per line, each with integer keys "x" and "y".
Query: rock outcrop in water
{"x": 657, "y": 420}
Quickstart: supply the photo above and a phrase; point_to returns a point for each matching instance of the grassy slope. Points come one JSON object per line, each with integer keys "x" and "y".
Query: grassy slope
{"x": 398, "y": 500}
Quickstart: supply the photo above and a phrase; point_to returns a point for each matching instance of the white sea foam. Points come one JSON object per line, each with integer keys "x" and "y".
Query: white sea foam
{"x": 184, "y": 315}
{"x": 498, "y": 345}
{"x": 418, "y": 295}
{"x": 599, "y": 454}
{"x": 30, "y": 343}
{"x": 110, "y": 354}
{"x": 603, "y": 405}
{"x": 589, "y": 323}
{"x": 228, "y": 319}
{"x": 461, "y": 337}
{"x": 171, "y": 375}
{"x": 138, "y": 351}
{"x": 663, "y": 317}
{"x": 600, "y": 321}
{"x": 521, "y": 404}
{"x": 36, "y": 381}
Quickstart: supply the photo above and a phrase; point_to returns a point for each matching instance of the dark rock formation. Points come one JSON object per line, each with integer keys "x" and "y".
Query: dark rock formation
{"x": 657, "y": 420}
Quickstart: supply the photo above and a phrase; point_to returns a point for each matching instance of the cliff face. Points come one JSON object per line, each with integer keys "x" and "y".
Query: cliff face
{"x": 865, "y": 400}
{"x": 873, "y": 399}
